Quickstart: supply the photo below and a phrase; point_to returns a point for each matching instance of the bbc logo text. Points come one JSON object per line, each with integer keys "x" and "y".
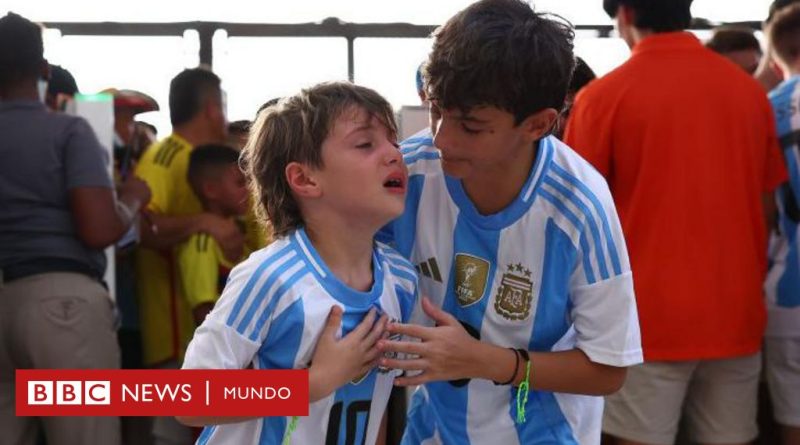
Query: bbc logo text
{"x": 71, "y": 392}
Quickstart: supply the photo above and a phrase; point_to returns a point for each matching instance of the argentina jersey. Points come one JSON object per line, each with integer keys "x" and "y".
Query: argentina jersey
{"x": 548, "y": 273}
{"x": 270, "y": 316}
{"x": 782, "y": 286}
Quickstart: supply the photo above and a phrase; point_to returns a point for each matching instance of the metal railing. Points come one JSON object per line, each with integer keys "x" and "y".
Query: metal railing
{"x": 330, "y": 27}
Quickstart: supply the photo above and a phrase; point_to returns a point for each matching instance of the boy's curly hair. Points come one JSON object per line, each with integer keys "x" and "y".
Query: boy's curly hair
{"x": 501, "y": 53}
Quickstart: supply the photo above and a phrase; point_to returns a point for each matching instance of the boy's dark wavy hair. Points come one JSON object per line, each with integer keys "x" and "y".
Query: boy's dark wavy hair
{"x": 501, "y": 53}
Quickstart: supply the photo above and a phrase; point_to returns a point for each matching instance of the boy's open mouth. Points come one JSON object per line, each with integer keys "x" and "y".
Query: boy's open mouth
{"x": 395, "y": 181}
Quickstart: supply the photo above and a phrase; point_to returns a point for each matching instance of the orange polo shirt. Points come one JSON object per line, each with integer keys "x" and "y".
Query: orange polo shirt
{"x": 688, "y": 145}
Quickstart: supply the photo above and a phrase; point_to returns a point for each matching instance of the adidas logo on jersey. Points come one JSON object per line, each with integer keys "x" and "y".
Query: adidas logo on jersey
{"x": 430, "y": 269}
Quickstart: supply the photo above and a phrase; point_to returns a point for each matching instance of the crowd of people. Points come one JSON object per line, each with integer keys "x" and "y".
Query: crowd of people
{"x": 557, "y": 256}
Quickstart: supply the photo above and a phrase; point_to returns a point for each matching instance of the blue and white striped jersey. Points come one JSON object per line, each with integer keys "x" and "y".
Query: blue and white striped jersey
{"x": 782, "y": 286}
{"x": 550, "y": 272}
{"x": 271, "y": 315}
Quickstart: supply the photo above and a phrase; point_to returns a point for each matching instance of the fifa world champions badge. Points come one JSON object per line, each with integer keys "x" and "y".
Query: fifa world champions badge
{"x": 472, "y": 275}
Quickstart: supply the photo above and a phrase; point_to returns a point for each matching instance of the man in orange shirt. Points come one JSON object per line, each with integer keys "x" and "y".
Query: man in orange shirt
{"x": 687, "y": 143}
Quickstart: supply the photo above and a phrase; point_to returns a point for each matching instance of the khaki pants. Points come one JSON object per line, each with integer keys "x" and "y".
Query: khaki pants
{"x": 51, "y": 321}
{"x": 783, "y": 377}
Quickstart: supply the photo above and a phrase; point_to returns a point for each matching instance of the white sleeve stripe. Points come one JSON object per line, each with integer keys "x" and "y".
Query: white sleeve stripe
{"x": 406, "y": 270}
{"x": 563, "y": 209}
{"x": 570, "y": 191}
{"x": 587, "y": 266}
{"x": 548, "y": 153}
{"x": 422, "y": 156}
{"x": 310, "y": 257}
{"x": 600, "y": 211}
{"x": 397, "y": 259}
{"x": 422, "y": 135}
{"x": 412, "y": 150}
{"x": 401, "y": 264}
{"x": 261, "y": 327}
{"x": 589, "y": 218}
{"x": 409, "y": 275}
{"x": 264, "y": 294}
{"x": 404, "y": 282}
{"x": 413, "y": 144}
{"x": 277, "y": 290}
{"x": 247, "y": 293}
{"x": 589, "y": 257}
{"x": 400, "y": 273}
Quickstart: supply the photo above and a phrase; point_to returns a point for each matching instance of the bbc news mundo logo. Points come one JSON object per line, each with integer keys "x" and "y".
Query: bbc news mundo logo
{"x": 161, "y": 392}
{"x": 70, "y": 392}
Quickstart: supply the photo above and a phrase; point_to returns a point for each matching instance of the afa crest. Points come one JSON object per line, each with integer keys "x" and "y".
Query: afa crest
{"x": 515, "y": 294}
{"x": 472, "y": 274}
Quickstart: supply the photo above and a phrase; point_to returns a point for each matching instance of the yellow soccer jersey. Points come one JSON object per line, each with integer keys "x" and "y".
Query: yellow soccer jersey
{"x": 203, "y": 269}
{"x": 166, "y": 319}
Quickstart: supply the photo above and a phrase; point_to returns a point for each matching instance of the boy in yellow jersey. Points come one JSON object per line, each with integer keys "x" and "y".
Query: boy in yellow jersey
{"x": 216, "y": 179}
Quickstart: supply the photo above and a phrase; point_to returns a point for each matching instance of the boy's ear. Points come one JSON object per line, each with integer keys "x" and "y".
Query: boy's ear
{"x": 301, "y": 180}
{"x": 540, "y": 123}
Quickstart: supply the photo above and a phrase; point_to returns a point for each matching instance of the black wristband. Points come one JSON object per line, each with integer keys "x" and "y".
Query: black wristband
{"x": 525, "y": 366}
{"x": 516, "y": 369}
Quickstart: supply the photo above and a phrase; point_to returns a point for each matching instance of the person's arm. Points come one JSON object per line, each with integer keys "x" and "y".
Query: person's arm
{"x": 565, "y": 371}
{"x": 161, "y": 231}
{"x": 100, "y": 218}
{"x": 448, "y": 352}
